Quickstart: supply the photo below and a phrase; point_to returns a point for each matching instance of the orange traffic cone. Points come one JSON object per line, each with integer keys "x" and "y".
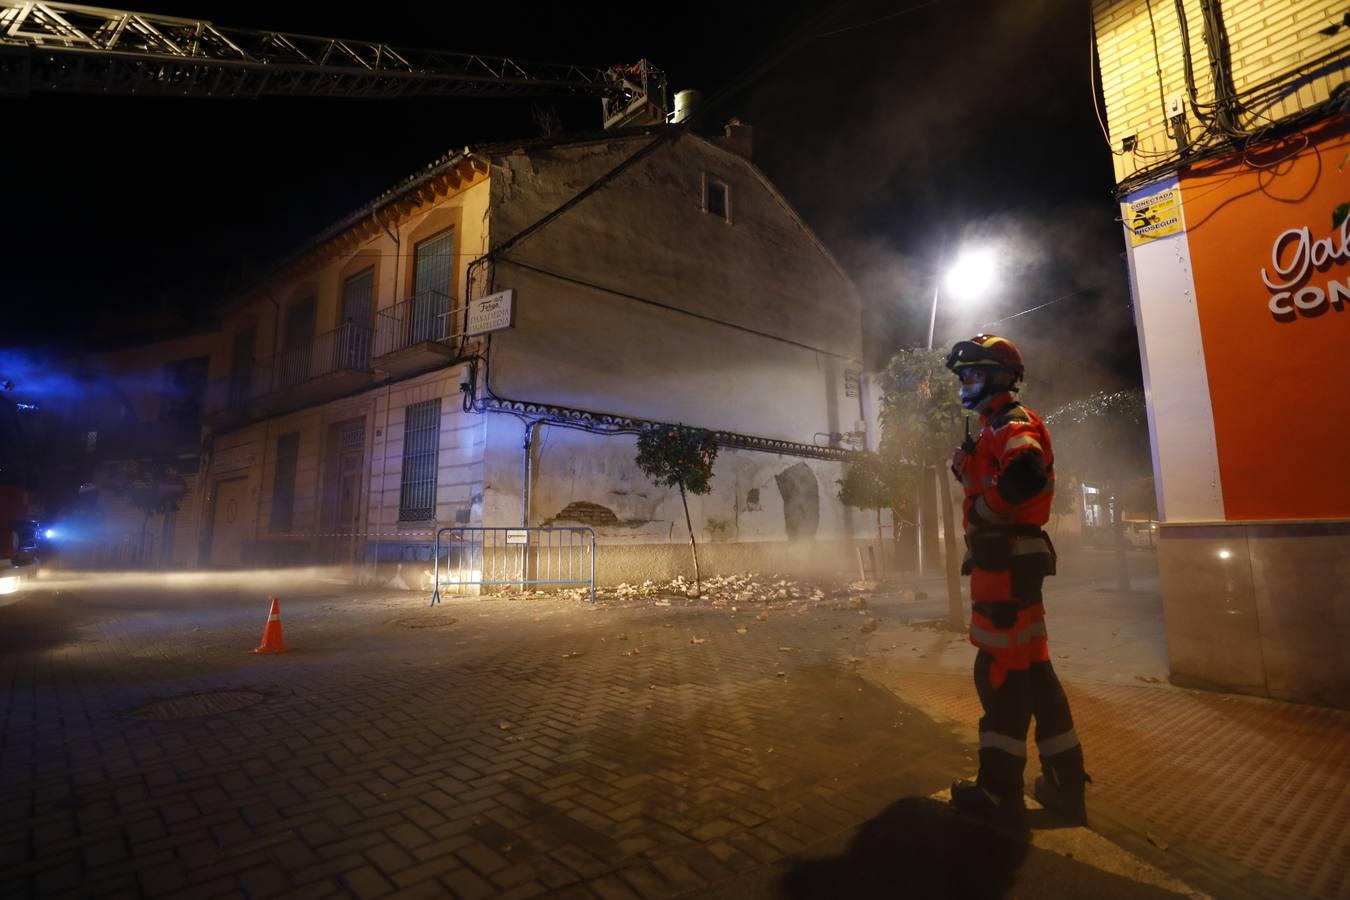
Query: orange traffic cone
{"x": 271, "y": 639}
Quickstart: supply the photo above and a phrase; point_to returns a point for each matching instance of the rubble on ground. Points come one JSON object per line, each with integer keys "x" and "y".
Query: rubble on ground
{"x": 749, "y": 593}
{"x": 738, "y": 592}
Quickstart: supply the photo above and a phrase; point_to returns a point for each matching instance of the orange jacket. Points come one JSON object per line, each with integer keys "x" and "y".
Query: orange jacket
{"x": 1009, "y": 479}
{"x": 1009, "y": 482}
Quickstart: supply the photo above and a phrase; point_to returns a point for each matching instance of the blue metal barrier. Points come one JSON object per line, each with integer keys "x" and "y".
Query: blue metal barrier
{"x": 516, "y": 557}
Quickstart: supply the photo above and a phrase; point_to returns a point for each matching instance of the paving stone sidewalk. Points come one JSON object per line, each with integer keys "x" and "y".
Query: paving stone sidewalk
{"x": 1241, "y": 796}
{"x": 483, "y": 748}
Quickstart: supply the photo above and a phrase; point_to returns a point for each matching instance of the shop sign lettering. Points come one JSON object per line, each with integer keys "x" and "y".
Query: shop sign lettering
{"x": 1304, "y": 254}
{"x": 492, "y": 313}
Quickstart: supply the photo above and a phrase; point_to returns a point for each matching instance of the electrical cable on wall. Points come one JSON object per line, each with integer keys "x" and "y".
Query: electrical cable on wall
{"x": 1222, "y": 119}
{"x": 1092, "y": 86}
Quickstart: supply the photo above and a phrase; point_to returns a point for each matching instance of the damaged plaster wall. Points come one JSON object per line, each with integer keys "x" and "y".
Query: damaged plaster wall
{"x": 647, "y": 229}
{"x": 765, "y": 512}
{"x": 775, "y": 324}
{"x": 638, "y": 302}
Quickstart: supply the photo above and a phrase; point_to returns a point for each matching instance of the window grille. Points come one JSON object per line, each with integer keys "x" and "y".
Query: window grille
{"x": 421, "y": 434}
{"x": 353, "y": 435}
{"x": 433, "y": 277}
{"x": 283, "y": 481}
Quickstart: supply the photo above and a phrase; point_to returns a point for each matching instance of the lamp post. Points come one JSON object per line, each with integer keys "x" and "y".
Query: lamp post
{"x": 970, "y": 275}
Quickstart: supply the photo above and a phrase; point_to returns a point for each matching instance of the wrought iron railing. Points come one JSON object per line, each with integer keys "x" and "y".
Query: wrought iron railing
{"x": 345, "y": 348}
{"x": 236, "y": 392}
{"x": 423, "y": 317}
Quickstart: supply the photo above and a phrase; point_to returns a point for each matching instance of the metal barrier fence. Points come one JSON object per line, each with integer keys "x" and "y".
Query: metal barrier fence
{"x": 498, "y": 557}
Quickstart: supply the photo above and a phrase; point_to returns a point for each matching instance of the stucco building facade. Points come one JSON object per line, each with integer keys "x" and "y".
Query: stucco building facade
{"x": 356, "y": 402}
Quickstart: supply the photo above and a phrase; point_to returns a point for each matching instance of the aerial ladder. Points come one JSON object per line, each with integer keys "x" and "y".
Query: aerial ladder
{"x": 67, "y": 48}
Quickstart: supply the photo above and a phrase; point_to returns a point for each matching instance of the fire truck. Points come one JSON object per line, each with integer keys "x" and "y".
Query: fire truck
{"x": 20, "y": 507}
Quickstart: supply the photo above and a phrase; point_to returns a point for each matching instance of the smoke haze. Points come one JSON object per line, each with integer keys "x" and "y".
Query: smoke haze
{"x": 964, "y": 123}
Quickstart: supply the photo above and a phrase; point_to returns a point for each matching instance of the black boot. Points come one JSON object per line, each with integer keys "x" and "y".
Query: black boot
{"x": 1006, "y": 809}
{"x": 1063, "y": 795}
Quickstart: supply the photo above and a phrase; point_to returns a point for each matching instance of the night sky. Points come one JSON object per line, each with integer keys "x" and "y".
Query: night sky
{"x": 895, "y": 135}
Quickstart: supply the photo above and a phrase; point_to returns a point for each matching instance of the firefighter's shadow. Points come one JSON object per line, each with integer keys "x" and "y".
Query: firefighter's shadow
{"x": 916, "y": 847}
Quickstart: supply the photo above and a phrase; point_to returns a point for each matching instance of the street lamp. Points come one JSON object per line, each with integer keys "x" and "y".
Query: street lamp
{"x": 969, "y": 276}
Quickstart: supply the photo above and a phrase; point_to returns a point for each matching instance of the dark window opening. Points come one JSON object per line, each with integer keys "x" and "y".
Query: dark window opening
{"x": 283, "y": 481}
{"x": 716, "y": 200}
{"x": 358, "y": 310}
{"x": 241, "y": 368}
{"x": 186, "y": 390}
{"x": 298, "y": 343}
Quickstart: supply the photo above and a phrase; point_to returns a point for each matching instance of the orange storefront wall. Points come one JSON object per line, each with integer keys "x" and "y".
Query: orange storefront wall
{"x": 1279, "y": 381}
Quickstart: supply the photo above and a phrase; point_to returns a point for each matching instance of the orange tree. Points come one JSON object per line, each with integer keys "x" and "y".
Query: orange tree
{"x": 921, "y": 424}
{"x": 881, "y": 480}
{"x": 679, "y": 457}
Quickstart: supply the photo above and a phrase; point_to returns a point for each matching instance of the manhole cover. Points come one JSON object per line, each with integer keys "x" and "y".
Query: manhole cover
{"x": 186, "y": 707}
{"x": 427, "y": 622}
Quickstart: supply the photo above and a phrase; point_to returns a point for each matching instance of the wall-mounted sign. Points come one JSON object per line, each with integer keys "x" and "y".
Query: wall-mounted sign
{"x": 1152, "y": 217}
{"x": 1269, "y": 260}
{"x": 492, "y": 313}
{"x": 517, "y": 536}
{"x": 1285, "y": 280}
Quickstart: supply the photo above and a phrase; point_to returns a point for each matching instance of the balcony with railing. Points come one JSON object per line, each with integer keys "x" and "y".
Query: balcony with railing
{"x": 335, "y": 363}
{"x": 230, "y": 400}
{"x": 414, "y": 335}
{"x": 330, "y": 366}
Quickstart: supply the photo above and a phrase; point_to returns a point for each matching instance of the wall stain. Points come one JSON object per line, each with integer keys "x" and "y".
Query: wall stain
{"x": 801, "y": 500}
{"x": 720, "y": 529}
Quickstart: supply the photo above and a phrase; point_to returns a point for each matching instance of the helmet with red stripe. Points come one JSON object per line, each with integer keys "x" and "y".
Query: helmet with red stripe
{"x": 987, "y": 350}
{"x": 987, "y": 365}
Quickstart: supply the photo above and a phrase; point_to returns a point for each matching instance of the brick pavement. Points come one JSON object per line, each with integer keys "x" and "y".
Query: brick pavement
{"x": 509, "y": 749}
{"x": 1250, "y": 797}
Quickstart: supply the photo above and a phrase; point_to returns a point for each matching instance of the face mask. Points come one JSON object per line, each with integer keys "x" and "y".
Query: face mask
{"x": 972, "y": 391}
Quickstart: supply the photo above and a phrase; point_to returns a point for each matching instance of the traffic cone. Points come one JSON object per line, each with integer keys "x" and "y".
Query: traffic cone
{"x": 271, "y": 639}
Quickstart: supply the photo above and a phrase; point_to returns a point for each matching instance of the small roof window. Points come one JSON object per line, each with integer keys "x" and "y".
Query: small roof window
{"x": 716, "y": 198}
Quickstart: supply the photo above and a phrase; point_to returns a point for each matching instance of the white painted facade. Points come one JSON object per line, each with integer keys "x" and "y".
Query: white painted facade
{"x": 1176, "y": 383}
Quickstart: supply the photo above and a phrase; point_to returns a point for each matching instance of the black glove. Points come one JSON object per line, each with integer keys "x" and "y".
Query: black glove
{"x": 1005, "y": 615}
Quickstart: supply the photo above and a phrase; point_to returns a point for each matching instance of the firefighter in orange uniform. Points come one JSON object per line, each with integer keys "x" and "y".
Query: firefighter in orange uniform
{"x": 1008, "y": 477}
